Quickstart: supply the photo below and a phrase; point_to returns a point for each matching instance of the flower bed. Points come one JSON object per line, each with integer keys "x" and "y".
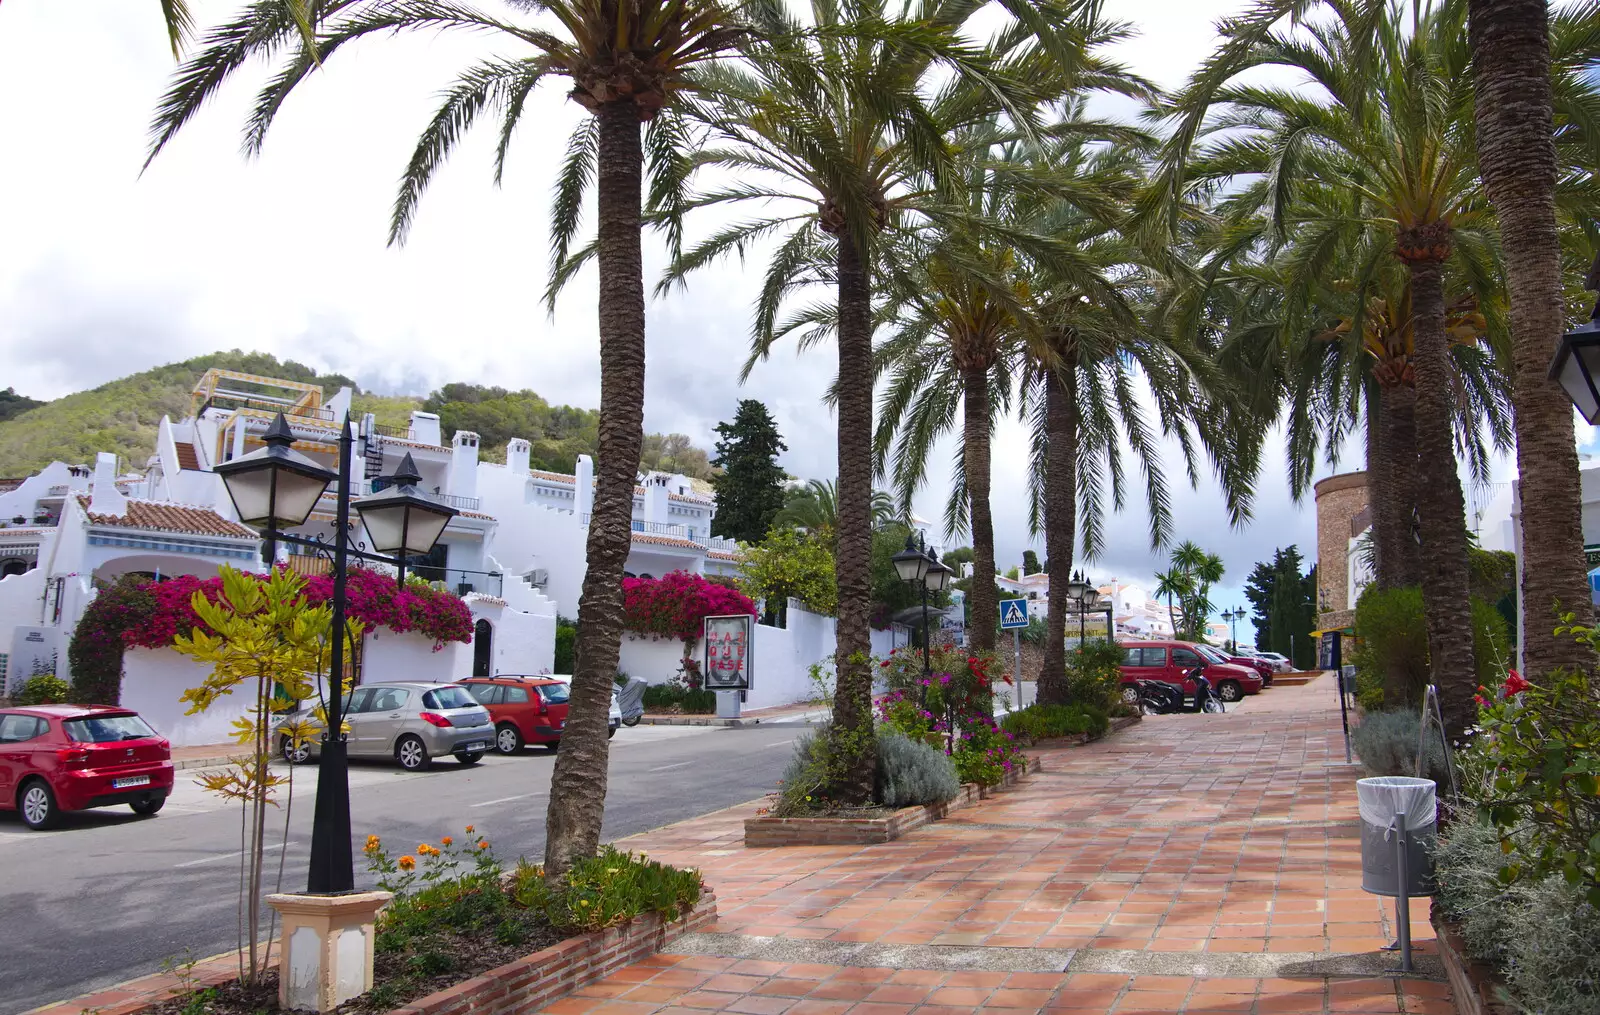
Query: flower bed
{"x": 874, "y": 825}
{"x": 1117, "y": 725}
{"x": 1474, "y": 986}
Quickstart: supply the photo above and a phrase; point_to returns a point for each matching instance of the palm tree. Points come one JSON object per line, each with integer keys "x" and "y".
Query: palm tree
{"x": 628, "y": 64}
{"x": 1390, "y": 131}
{"x": 1174, "y": 583}
{"x": 834, "y": 127}
{"x": 815, "y": 508}
{"x": 1516, "y": 51}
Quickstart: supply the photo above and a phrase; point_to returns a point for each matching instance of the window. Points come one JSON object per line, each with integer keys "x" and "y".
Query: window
{"x": 358, "y": 701}
{"x": 1154, "y": 655}
{"x": 389, "y": 699}
{"x": 1131, "y": 656}
{"x": 486, "y": 694}
{"x": 14, "y": 729}
{"x": 11, "y": 567}
{"x": 516, "y": 695}
{"x": 447, "y": 697}
{"x": 107, "y": 729}
{"x": 555, "y": 694}
{"x": 1187, "y": 658}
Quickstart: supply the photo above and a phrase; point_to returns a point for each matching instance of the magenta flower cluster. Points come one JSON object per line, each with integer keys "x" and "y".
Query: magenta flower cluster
{"x": 676, "y": 604}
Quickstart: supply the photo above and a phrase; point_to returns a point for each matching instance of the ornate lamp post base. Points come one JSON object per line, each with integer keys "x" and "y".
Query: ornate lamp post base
{"x": 325, "y": 957}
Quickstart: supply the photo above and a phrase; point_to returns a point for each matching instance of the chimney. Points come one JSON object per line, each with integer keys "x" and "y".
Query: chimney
{"x": 656, "y": 505}
{"x": 464, "y": 464}
{"x": 518, "y": 452}
{"x": 425, "y": 428}
{"x": 104, "y": 497}
{"x": 584, "y": 498}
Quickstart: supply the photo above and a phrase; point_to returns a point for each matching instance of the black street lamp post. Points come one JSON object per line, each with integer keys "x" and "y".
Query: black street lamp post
{"x": 919, "y": 565}
{"x": 1233, "y": 618}
{"x": 274, "y": 489}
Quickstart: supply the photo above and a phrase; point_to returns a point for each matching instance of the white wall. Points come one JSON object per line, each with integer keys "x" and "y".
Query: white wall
{"x": 654, "y": 659}
{"x": 388, "y": 657}
{"x": 153, "y": 680}
{"x": 522, "y": 641}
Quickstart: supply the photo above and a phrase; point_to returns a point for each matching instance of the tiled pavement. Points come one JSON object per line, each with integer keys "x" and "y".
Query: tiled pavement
{"x": 1192, "y": 864}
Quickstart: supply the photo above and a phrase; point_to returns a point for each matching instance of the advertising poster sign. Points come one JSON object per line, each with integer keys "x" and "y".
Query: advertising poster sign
{"x": 728, "y": 652}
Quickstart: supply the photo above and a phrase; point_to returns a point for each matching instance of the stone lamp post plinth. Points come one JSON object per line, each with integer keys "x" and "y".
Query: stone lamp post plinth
{"x": 325, "y": 955}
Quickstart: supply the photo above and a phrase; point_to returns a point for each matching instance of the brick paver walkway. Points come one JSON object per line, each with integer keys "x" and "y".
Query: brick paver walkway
{"x": 1192, "y": 864}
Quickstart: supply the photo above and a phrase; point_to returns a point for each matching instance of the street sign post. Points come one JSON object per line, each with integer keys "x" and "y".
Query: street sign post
{"x": 1013, "y": 618}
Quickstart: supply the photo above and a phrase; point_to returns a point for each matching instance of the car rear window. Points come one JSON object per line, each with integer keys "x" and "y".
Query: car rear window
{"x": 516, "y": 695}
{"x": 104, "y": 729}
{"x": 487, "y": 694}
{"x": 555, "y": 694}
{"x": 448, "y": 697}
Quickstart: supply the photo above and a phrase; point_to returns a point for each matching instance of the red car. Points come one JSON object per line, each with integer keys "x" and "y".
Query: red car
{"x": 1172, "y": 661}
{"x": 525, "y": 710}
{"x": 58, "y": 758}
{"x": 1261, "y": 666}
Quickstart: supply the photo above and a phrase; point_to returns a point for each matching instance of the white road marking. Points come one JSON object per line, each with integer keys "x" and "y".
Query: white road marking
{"x": 504, "y": 800}
{"x": 782, "y": 743}
{"x": 230, "y": 856}
{"x": 668, "y": 768}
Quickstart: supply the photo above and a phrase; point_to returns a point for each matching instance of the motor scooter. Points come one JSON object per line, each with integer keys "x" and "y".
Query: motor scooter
{"x": 630, "y": 700}
{"x": 1157, "y": 697}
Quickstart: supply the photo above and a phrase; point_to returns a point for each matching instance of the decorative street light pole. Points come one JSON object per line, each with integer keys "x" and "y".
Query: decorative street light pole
{"x": 274, "y": 489}
{"x": 919, "y": 565}
{"x": 1233, "y": 618}
{"x": 1091, "y": 597}
{"x": 1577, "y": 361}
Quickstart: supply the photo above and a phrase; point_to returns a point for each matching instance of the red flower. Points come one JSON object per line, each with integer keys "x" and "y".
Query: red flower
{"x": 1481, "y": 700}
{"x": 883, "y": 664}
{"x": 1515, "y": 684}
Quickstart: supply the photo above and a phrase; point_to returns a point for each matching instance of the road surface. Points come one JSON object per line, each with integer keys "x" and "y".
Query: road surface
{"x": 109, "y": 896}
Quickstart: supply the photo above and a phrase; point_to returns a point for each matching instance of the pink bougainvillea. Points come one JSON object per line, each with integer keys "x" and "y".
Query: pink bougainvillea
{"x": 675, "y": 604}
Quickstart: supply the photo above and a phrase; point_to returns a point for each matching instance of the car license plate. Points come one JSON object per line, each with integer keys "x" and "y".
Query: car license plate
{"x": 476, "y": 745}
{"x": 132, "y": 780}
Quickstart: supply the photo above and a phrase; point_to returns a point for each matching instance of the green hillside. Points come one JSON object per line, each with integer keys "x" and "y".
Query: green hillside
{"x": 124, "y": 415}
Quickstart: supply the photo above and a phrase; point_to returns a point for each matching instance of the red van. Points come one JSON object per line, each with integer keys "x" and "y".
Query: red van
{"x": 1172, "y": 661}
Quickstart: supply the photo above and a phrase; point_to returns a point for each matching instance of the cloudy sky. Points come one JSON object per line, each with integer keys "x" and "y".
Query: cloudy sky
{"x": 104, "y": 272}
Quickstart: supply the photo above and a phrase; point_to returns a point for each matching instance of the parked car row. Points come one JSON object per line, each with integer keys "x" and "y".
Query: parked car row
{"x": 58, "y": 758}
{"x": 1173, "y": 662}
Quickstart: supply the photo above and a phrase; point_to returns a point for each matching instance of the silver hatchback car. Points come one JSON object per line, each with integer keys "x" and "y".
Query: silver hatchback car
{"x": 413, "y": 723}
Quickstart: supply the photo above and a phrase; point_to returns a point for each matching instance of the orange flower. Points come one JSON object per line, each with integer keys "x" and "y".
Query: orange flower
{"x": 469, "y": 829}
{"x": 483, "y": 844}
{"x": 407, "y": 863}
{"x": 446, "y": 841}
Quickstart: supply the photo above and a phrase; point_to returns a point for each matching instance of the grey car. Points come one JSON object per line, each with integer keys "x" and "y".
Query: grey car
{"x": 413, "y": 723}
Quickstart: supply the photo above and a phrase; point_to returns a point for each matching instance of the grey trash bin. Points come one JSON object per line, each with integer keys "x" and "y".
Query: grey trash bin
{"x": 1380, "y": 799}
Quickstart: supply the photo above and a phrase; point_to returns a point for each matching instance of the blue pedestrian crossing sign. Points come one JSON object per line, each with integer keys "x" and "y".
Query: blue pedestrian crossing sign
{"x": 1013, "y": 614}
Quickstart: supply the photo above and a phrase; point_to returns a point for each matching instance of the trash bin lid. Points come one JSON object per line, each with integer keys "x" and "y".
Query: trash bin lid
{"x": 1382, "y": 797}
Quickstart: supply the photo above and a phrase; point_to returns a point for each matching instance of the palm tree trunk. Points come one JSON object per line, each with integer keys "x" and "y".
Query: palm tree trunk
{"x": 1393, "y": 471}
{"x": 1440, "y": 506}
{"x": 578, "y": 784}
{"x": 975, "y": 454}
{"x": 1060, "y": 519}
{"x": 852, "y": 699}
{"x": 1516, "y": 154}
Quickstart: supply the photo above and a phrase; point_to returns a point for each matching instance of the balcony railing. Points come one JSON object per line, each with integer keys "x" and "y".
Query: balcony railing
{"x": 265, "y": 405}
{"x": 459, "y": 581}
{"x": 398, "y": 432}
{"x": 721, "y": 543}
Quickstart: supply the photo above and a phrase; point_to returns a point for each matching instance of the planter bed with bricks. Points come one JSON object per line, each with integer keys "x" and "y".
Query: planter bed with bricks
{"x": 1475, "y": 987}
{"x": 511, "y": 988}
{"x": 766, "y": 831}
{"x": 1118, "y": 724}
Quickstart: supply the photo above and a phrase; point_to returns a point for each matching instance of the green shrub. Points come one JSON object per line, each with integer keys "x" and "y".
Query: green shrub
{"x": 1386, "y": 742}
{"x": 1539, "y": 934}
{"x": 1040, "y": 722}
{"x": 821, "y": 760}
{"x": 663, "y": 695}
{"x": 45, "y": 689}
{"x": 1094, "y": 675}
{"x": 606, "y": 890}
{"x": 1393, "y": 649}
{"x": 984, "y": 754}
{"x": 566, "y": 645}
{"x": 911, "y": 772}
{"x": 699, "y": 702}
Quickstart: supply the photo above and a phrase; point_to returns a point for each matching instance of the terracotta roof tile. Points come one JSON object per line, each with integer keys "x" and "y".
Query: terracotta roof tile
{"x": 554, "y": 477}
{"x": 643, "y": 537}
{"x": 161, "y": 517}
{"x": 690, "y": 498}
{"x": 187, "y": 459}
{"x": 724, "y": 555}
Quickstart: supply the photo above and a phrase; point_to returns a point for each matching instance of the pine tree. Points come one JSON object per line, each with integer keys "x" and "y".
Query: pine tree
{"x": 750, "y": 488}
{"x": 1030, "y": 562}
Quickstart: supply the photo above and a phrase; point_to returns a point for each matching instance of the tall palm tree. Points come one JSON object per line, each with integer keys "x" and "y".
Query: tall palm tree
{"x": 834, "y": 126}
{"x": 1173, "y": 583}
{"x": 815, "y": 508}
{"x": 1389, "y": 128}
{"x": 1513, "y": 57}
{"x": 628, "y": 64}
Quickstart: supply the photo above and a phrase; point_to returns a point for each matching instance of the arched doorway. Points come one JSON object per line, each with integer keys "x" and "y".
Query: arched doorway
{"x": 482, "y": 648}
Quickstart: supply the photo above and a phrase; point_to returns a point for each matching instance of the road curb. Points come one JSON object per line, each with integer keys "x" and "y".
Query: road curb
{"x": 711, "y": 720}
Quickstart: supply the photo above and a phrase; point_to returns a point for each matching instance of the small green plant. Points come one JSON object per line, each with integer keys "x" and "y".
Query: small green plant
{"x": 606, "y": 890}
{"x": 45, "y": 689}
{"x": 1042, "y": 722}
{"x": 566, "y": 645}
{"x": 701, "y": 702}
{"x": 912, "y": 772}
{"x": 1094, "y": 675}
{"x": 1386, "y": 743}
{"x": 822, "y": 759}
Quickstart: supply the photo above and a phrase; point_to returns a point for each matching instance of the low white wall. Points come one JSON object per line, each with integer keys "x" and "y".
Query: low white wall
{"x": 520, "y": 643}
{"x": 654, "y": 659}
{"x": 387, "y": 657}
{"x": 153, "y": 680}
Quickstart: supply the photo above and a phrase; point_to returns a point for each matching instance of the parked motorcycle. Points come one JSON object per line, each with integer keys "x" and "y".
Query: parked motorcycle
{"x": 630, "y": 700}
{"x": 1157, "y": 697}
